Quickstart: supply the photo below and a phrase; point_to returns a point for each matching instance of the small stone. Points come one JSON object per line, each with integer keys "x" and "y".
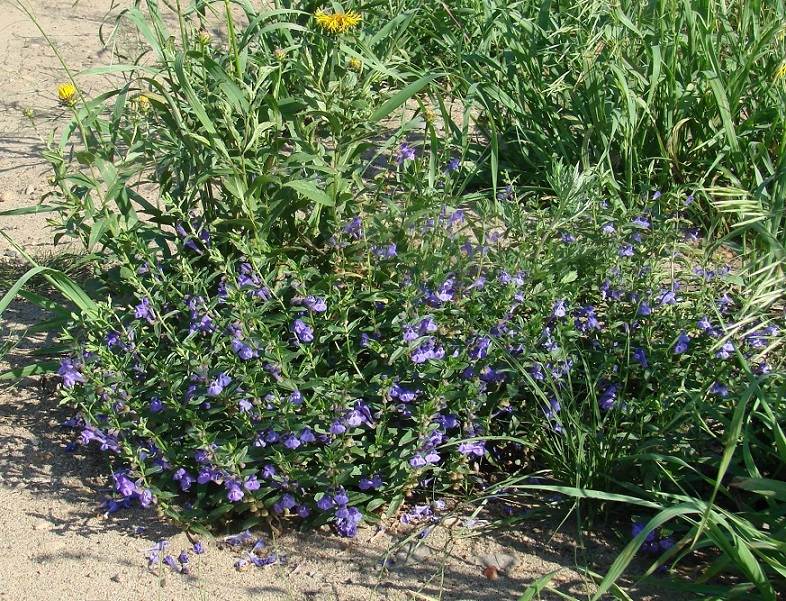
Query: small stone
{"x": 116, "y": 578}
{"x": 5, "y": 196}
{"x": 30, "y": 190}
{"x": 41, "y": 526}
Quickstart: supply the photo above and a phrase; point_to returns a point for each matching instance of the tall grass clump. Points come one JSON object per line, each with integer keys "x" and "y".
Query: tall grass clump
{"x": 673, "y": 94}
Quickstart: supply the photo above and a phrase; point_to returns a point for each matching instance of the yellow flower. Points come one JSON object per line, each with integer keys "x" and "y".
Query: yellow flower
{"x": 67, "y": 94}
{"x": 337, "y": 22}
{"x": 781, "y": 72}
{"x": 142, "y": 104}
{"x": 354, "y": 64}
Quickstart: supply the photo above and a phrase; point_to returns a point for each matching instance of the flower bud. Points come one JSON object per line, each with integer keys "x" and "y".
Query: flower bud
{"x": 203, "y": 37}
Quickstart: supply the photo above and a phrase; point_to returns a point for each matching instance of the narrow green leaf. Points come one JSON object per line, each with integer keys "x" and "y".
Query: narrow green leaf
{"x": 397, "y": 100}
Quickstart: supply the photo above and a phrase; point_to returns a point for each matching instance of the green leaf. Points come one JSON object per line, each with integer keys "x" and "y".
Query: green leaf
{"x": 569, "y": 277}
{"x": 766, "y": 487}
{"x": 536, "y": 587}
{"x": 397, "y": 100}
{"x": 311, "y": 191}
{"x": 42, "y": 367}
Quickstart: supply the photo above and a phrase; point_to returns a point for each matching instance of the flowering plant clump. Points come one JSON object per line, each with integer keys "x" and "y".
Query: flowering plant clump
{"x": 266, "y": 388}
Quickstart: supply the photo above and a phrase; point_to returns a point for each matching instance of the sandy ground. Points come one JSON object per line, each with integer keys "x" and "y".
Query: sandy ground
{"x": 54, "y": 542}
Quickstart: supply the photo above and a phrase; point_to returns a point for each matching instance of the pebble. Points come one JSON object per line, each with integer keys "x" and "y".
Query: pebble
{"x": 5, "y": 196}
{"x": 116, "y": 578}
{"x": 41, "y": 526}
{"x": 53, "y": 547}
{"x": 30, "y": 190}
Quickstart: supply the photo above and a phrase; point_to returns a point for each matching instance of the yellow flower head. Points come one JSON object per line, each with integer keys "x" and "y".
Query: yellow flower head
{"x": 67, "y": 94}
{"x": 337, "y": 22}
{"x": 781, "y": 72}
{"x": 142, "y": 104}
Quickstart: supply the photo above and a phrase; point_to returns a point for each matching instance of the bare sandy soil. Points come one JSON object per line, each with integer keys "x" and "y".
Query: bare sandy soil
{"x": 56, "y": 544}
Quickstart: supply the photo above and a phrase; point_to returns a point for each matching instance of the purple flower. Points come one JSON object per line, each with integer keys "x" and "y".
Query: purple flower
{"x": 625, "y": 250}
{"x": 302, "y": 331}
{"x": 325, "y": 503}
{"x": 291, "y": 441}
{"x": 199, "y": 547}
{"x": 346, "y": 525}
{"x": 551, "y": 411}
{"x": 417, "y": 461}
{"x": 316, "y": 305}
{"x": 242, "y": 350}
{"x": 124, "y": 485}
{"x": 481, "y": 349}
{"x": 427, "y": 351}
{"x": 337, "y": 427}
{"x": 405, "y": 395}
{"x": 354, "y": 228}
{"x": 146, "y": 498}
{"x": 559, "y": 310}
{"x": 268, "y": 471}
{"x": 251, "y": 483}
{"x": 185, "y": 479}
{"x": 608, "y": 400}
{"x": 726, "y": 350}
{"x": 669, "y": 297}
{"x": 113, "y": 339}
{"x": 640, "y": 356}
{"x": 719, "y": 389}
{"x": 477, "y": 448}
{"x": 144, "y": 310}
{"x": 68, "y": 370}
{"x": 234, "y": 492}
{"x": 641, "y": 221}
{"x": 405, "y": 152}
{"x": 724, "y": 302}
{"x": 682, "y": 343}
{"x": 217, "y": 386}
{"x": 490, "y": 375}
{"x": 366, "y": 484}
{"x": 638, "y": 528}
{"x": 386, "y": 252}
{"x": 432, "y": 456}
{"x": 453, "y": 165}
{"x": 567, "y": 237}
